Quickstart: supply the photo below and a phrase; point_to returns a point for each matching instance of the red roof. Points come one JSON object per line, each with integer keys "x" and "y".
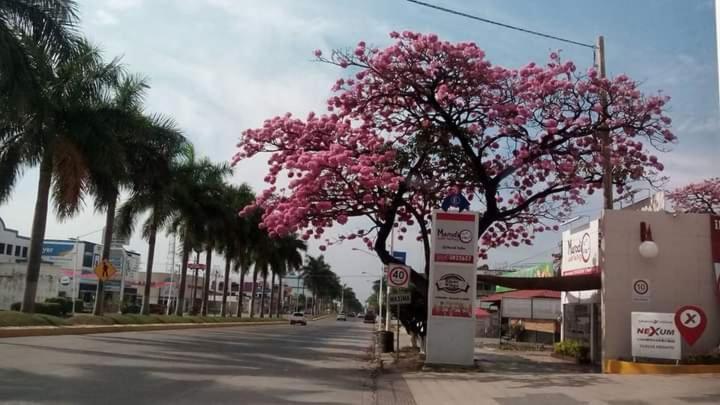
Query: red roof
{"x": 481, "y": 313}
{"x": 523, "y": 294}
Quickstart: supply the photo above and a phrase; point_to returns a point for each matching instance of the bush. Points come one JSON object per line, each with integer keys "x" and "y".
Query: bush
{"x": 65, "y": 304}
{"x": 13, "y": 318}
{"x": 131, "y": 309}
{"x": 15, "y": 306}
{"x": 49, "y": 308}
{"x": 573, "y": 348}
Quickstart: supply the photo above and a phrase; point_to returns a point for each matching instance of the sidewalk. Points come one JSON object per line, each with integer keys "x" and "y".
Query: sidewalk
{"x": 535, "y": 378}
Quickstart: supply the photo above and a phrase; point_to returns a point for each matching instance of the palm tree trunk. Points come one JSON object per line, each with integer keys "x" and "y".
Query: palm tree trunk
{"x": 107, "y": 240}
{"x": 262, "y": 297}
{"x": 148, "y": 272}
{"x": 254, "y": 289}
{"x": 180, "y": 306}
{"x": 194, "y": 286}
{"x": 272, "y": 296}
{"x": 38, "y": 233}
{"x": 206, "y": 287}
{"x": 241, "y": 297}
{"x": 226, "y": 282}
{"x": 280, "y": 295}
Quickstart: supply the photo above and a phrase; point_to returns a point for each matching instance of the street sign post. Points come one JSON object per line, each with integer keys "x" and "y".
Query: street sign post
{"x": 400, "y": 298}
{"x": 398, "y": 276}
{"x": 105, "y": 270}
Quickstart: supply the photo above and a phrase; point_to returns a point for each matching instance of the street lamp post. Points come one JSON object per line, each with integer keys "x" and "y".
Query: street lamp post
{"x": 380, "y": 290}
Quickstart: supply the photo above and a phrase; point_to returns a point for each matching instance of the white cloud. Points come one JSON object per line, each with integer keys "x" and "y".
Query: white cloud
{"x": 105, "y": 18}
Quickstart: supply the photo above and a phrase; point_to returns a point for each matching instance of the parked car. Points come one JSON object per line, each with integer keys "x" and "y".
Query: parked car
{"x": 298, "y": 317}
{"x": 361, "y": 315}
{"x": 369, "y": 318}
{"x": 351, "y": 315}
{"x": 341, "y": 317}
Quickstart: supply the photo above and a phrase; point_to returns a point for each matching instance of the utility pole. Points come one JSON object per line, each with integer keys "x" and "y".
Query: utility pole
{"x": 604, "y": 133}
{"x": 342, "y": 299}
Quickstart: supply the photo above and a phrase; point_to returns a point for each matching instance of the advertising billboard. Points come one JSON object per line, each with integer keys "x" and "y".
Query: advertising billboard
{"x": 580, "y": 247}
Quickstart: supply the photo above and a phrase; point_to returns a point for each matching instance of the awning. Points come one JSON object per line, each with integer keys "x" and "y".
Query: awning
{"x": 582, "y": 282}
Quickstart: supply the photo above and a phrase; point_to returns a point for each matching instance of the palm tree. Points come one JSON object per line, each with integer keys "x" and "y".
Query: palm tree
{"x": 195, "y": 185}
{"x": 289, "y": 258}
{"x": 243, "y": 262}
{"x": 132, "y": 141}
{"x": 47, "y": 25}
{"x": 315, "y": 272}
{"x": 60, "y": 136}
{"x": 152, "y": 182}
{"x": 234, "y": 232}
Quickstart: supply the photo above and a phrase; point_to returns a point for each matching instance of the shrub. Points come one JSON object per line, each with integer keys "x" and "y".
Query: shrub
{"x": 49, "y": 308}
{"x": 15, "y": 306}
{"x": 65, "y": 304}
{"x": 131, "y": 309}
{"x": 572, "y": 348}
{"x": 79, "y": 306}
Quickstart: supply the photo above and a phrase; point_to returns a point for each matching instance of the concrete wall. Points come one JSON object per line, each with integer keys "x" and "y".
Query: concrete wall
{"x": 681, "y": 274}
{"x": 12, "y": 283}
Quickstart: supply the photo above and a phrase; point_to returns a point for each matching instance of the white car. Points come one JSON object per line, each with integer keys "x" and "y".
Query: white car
{"x": 298, "y": 317}
{"x": 341, "y": 317}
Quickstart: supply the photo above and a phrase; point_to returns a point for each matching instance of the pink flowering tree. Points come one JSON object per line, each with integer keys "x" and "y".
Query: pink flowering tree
{"x": 421, "y": 118}
{"x": 698, "y": 198}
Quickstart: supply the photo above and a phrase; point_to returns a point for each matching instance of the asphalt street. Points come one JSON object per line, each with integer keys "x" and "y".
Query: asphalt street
{"x": 322, "y": 363}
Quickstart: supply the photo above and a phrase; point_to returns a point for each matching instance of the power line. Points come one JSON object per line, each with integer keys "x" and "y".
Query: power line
{"x": 512, "y": 27}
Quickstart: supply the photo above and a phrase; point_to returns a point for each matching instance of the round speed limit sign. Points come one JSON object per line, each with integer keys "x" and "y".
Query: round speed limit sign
{"x": 398, "y": 276}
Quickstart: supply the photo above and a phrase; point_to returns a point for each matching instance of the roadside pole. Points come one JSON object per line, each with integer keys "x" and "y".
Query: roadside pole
{"x": 380, "y": 296}
{"x": 387, "y": 294}
{"x": 604, "y": 134}
{"x": 397, "y": 333}
{"x": 74, "y": 279}
{"x": 122, "y": 283}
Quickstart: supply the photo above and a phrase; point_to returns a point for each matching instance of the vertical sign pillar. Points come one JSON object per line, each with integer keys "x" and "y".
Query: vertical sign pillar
{"x": 451, "y": 296}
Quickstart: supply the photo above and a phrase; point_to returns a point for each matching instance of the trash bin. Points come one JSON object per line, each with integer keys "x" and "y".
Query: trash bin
{"x": 387, "y": 341}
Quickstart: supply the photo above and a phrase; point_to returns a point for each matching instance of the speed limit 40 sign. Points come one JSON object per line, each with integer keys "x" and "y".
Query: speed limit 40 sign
{"x": 398, "y": 276}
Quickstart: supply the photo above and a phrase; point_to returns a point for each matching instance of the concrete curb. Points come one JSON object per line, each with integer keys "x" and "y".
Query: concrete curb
{"x": 27, "y": 331}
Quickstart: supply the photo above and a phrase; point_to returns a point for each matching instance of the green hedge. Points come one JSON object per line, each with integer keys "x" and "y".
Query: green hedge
{"x": 14, "y": 318}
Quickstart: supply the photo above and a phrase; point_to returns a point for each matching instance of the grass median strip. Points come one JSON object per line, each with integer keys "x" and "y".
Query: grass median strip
{"x": 19, "y": 319}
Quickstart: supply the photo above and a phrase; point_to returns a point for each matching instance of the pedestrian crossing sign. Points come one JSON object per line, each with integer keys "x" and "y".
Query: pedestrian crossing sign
{"x": 105, "y": 270}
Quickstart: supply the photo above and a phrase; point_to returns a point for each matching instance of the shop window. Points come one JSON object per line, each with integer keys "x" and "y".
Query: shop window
{"x": 2, "y": 248}
{"x": 25, "y": 250}
{"x": 17, "y": 250}
{"x": 8, "y": 250}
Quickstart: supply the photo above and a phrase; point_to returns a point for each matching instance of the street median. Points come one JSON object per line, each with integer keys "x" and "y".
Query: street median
{"x": 17, "y": 324}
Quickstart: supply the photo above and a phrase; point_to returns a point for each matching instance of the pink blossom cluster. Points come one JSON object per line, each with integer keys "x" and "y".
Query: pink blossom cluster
{"x": 699, "y": 198}
{"x": 423, "y": 115}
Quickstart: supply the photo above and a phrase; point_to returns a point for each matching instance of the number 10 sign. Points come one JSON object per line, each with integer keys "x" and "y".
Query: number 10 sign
{"x": 398, "y": 276}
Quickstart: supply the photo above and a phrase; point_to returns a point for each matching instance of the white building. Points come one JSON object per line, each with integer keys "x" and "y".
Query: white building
{"x": 13, "y": 247}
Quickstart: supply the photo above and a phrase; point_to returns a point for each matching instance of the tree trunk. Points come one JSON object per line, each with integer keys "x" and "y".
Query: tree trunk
{"x": 280, "y": 295}
{"x": 148, "y": 271}
{"x": 262, "y": 297}
{"x": 107, "y": 240}
{"x": 206, "y": 287}
{"x": 254, "y": 289}
{"x": 241, "y": 297}
{"x": 38, "y": 233}
{"x": 180, "y": 307}
{"x": 226, "y": 282}
{"x": 272, "y": 296}
{"x": 194, "y": 286}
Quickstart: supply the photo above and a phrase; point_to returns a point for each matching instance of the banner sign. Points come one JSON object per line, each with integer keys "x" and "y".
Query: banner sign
{"x": 400, "y": 298}
{"x": 451, "y": 323}
{"x": 654, "y": 335}
{"x": 452, "y": 293}
{"x": 580, "y": 248}
{"x": 715, "y": 248}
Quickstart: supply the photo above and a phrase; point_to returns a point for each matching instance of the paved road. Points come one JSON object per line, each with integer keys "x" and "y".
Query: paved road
{"x": 322, "y": 363}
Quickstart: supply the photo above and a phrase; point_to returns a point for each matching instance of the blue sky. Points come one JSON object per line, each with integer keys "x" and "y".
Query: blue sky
{"x": 221, "y": 66}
